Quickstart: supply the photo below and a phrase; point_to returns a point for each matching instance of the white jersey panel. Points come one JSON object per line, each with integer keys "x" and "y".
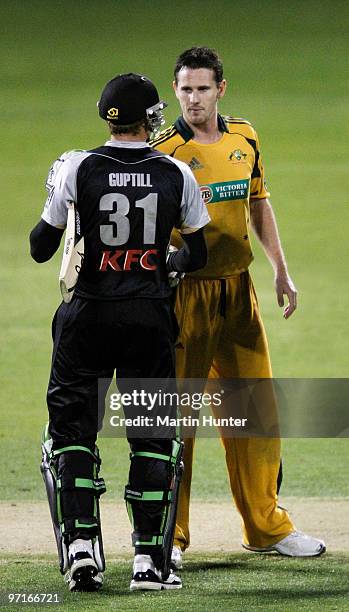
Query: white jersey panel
{"x": 194, "y": 213}
{"x": 61, "y": 187}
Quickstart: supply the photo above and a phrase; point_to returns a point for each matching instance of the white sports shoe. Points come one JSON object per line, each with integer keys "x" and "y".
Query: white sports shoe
{"x": 83, "y": 574}
{"x": 177, "y": 558}
{"x": 147, "y": 578}
{"x": 297, "y": 544}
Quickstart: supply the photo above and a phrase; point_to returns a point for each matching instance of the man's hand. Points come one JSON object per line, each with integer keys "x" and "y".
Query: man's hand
{"x": 174, "y": 278}
{"x": 192, "y": 256}
{"x": 264, "y": 225}
{"x": 284, "y": 286}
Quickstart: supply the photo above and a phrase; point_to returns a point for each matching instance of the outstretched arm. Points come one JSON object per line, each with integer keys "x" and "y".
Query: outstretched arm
{"x": 264, "y": 225}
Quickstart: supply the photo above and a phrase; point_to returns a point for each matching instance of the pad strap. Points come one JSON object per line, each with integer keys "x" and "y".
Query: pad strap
{"x": 144, "y": 539}
{"x": 176, "y": 447}
{"x": 68, "y": 483}
{"x": 162, "y": 495}
{"x": 67, "y": 449}
{"x": 163, "y": 500}
{"x": 70, "y": 525}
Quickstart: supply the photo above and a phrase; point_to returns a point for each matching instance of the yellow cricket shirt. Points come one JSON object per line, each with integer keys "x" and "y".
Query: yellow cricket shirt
{"x": 230, "y": 174}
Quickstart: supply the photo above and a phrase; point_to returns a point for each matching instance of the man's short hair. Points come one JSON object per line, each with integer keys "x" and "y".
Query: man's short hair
{"x": 200, "y": 57}
{"x": 132, "y": 128}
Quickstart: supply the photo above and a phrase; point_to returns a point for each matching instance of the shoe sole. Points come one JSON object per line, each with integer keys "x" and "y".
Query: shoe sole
{"x": 153, "y": 586}
{"x": 273, "y": 549}
{"x": 145, "y": 586}
{"x": 259, "y": 550}
{"x": 85, "y": 578}
{"x": 317, "y": 554}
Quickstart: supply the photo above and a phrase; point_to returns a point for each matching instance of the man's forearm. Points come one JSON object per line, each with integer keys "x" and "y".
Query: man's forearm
{"x": 44, "y": 241}
{"x": 264, "y": 225}
{"x": 192, "y": 256}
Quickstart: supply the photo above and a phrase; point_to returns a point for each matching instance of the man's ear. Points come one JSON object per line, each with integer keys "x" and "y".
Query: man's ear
{"x": 222, "y": 86}
{"x": 174, "y": 85}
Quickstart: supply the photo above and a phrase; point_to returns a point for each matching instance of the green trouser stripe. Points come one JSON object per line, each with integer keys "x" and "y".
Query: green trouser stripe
{"x": 155, "y": 541}
{"x": 151, "y": 496}
{"x": 73, "y": 448}
{"x": 152, "y": 455}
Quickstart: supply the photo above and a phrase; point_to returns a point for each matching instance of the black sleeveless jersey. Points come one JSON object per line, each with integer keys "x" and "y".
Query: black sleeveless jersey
{"x": 127, "y": 201}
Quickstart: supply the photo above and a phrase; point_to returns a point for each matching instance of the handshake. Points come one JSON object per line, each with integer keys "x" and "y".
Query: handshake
{"x": 174, "y": 277}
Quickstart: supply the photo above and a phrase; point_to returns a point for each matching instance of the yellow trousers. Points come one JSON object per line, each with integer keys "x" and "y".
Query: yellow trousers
{"x": 222, "y": 336}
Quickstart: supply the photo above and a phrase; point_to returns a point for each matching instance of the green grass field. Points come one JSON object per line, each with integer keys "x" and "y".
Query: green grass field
{"x": 237, "y": 582}
{"x": 285, "y": 65}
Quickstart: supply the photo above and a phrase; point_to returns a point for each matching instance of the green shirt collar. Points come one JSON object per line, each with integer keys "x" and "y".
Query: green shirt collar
{"x": 187, "y": 133}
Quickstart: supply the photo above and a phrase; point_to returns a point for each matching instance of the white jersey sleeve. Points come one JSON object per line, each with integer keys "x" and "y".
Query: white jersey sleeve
{"x": 61, "y": 187}
{"x": 194, "y": 213}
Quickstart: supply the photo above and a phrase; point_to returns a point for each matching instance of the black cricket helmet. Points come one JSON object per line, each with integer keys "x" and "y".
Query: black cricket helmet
{"x": 128, "y": 98}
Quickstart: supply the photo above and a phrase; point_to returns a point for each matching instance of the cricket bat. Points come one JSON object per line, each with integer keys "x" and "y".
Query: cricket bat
{"x": 73, "y": 255}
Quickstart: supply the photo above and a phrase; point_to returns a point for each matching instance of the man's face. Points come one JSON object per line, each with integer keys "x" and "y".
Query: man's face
{"x": 198, "y": 92}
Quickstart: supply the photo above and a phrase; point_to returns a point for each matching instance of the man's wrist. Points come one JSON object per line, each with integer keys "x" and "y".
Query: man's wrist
{"x": 281, "y": 272}
{"x": 280, "y": 267}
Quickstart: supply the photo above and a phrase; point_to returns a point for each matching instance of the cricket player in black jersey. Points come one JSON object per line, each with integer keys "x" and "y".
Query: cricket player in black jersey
{"x": 127, "y": 198}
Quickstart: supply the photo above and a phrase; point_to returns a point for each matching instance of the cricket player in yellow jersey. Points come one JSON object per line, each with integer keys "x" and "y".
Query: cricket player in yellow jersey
{"x": 221, "y": 331}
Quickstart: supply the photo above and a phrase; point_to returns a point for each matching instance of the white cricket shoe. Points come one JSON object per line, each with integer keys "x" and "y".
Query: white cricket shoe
{"x": 297, "y": 544}
{"x": 83, "y": 574}
{"x": 176, "y": 558}
{"x": 147, "y": 578}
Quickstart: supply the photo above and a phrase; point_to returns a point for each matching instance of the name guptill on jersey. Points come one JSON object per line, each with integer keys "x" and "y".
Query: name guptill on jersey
{"x": 131, "y": 179}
